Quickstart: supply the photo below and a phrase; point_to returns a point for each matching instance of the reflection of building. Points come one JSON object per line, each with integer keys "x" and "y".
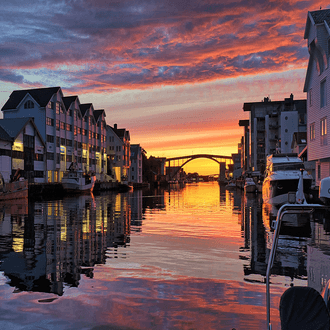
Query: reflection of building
{"x": 318, "y": 254}
{"x": 135, "y": 201}
{"x": 55, "y": 242}
{"x": 290, "y": 255}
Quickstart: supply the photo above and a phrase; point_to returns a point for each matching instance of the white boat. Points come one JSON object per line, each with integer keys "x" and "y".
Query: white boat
{"x": 324, "y": 191}
{"x": 78, "y": 181}
{"x": 250, "y": 186}
{"x": 282, "y": 176}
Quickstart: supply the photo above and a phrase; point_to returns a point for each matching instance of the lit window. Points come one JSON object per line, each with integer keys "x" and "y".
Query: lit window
{"x": 323, "y": 131}
{"x": 312, "y": 131}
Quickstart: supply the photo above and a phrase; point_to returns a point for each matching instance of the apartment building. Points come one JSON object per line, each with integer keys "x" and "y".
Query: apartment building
{"x": 73, "y": 132}
{"x": 136, "y": 164}
{"x": 317, "y": 82}
{"x": 118, "y": 151}
{"x": 272, "y": 125}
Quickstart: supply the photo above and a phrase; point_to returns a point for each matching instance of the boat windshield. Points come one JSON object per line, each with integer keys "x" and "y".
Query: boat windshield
{"x": 288, "y": 167}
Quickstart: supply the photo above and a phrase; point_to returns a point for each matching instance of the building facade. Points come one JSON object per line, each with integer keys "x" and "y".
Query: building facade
{"x": 73, "y": 132}
{"x": 317, "y": 82}
{"x": 136, "y": 164}
{"x": 21, "y": 149}
{"x": 119, "y": 153}
{"x": 271, "y": 128}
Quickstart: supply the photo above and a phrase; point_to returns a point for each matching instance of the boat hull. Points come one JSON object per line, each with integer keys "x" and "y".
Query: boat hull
{"x": 15, "y": 190}
{"x": 276, "y": 191}
{"x": 78, "y": 182}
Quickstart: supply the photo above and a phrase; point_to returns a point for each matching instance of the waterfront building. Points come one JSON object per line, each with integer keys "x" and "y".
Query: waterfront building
{"x": 73, "y": 132}
{"x": 21, "y": 147}
{"x": 136, "y": 164}
{"x": 118, "y": 151}
{"x": 317, "y": 34}
{"x": 271, "y": 128}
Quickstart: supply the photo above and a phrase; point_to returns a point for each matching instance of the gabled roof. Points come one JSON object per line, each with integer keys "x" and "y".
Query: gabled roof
{"x": 319, "y": 16}
{"x": 10, "y": 128}
{"x": 68, "y": 100}
{"x": 4, "y": 136}
{"x": 98, "y": 113}
{"x": 41, "y": 95}
{"x": 84, "y": 107}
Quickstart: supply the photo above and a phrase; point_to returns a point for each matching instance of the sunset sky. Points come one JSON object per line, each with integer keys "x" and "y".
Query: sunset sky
{"x": 175, "y": 73}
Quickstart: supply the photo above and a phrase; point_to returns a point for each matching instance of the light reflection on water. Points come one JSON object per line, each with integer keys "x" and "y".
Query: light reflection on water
{"x": 185, "y": 258}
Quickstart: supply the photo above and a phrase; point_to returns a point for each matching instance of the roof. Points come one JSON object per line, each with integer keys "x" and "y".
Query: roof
{"x": 40, "y": 95}
{"x": 319, "y": 16}
{"x": 4, "y": 136}
{"x": 68, "y": 100}
{"x": 84, "y": 107}
{"x": 98, "y": 113}
{"x": 13, "y": 126}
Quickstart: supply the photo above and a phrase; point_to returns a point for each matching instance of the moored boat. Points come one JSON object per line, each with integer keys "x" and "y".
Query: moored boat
{"x": 77, "y": 181}
{"x": 282, "y": 176}
{"x": 13, "y": 190}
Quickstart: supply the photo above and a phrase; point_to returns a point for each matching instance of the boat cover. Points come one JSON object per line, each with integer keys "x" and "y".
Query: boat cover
{"x": 303, "y": 308}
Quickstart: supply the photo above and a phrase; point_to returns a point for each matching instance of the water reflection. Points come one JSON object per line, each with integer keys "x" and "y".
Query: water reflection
{"x": 201, "y": 247}
{"x": 54, "y": 243}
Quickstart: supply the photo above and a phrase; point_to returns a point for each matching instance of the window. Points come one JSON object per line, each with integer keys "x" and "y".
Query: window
{"x": 62, "y": 125}
{"x": 50, "y": 138}
{"x": 28, "y": 105}
{"x": 78, "y": 130}
{"x": 312, "y": 131}
{"x": 62, "y": 141}
{"x": 58, "y": 106}
{"x": 69, "y": 158}
{"x": 68, "y": 127}
{"x": 39, "y": 157}
{"x": 69, "y": 143}
{"x": 57, "y": 125}
{"x": 323, "y": 90}
{"x": 323, "y": 131}
{"x": 310, "y": 97}
{"x": 75, "y": 130}
{"x": 38, "y": 174}
{"x": 50, "y": 155}
{"x": 57, "y": 140}
{"x": 49, "y": 121}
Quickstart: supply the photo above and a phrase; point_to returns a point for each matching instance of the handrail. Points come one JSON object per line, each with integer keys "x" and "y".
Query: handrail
{"x": 284, "y": 209}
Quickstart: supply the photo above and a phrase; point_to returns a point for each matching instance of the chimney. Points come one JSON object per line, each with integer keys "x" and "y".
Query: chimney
{"x": 115, "y": 126}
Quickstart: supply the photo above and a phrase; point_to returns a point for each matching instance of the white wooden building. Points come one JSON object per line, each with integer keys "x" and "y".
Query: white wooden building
{"x": 317, "y": 82}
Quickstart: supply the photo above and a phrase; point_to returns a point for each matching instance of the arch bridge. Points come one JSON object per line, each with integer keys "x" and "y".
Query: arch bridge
{"x": 178, "y": 162}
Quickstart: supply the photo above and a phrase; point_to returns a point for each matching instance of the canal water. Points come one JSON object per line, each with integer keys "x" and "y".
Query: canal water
{"x": 191, "y": 257}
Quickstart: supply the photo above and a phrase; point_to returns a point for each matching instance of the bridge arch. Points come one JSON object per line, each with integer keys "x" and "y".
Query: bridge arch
{"x": 186, "y": 159}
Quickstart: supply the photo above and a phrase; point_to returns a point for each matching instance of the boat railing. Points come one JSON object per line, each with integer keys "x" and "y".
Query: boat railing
{"x": 285, "y": 209}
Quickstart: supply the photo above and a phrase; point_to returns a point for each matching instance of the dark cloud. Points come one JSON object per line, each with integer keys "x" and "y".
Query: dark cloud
{"x": 124, "y": 43}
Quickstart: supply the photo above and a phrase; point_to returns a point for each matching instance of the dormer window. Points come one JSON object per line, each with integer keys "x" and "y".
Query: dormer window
{"x": 28, "y": 105}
